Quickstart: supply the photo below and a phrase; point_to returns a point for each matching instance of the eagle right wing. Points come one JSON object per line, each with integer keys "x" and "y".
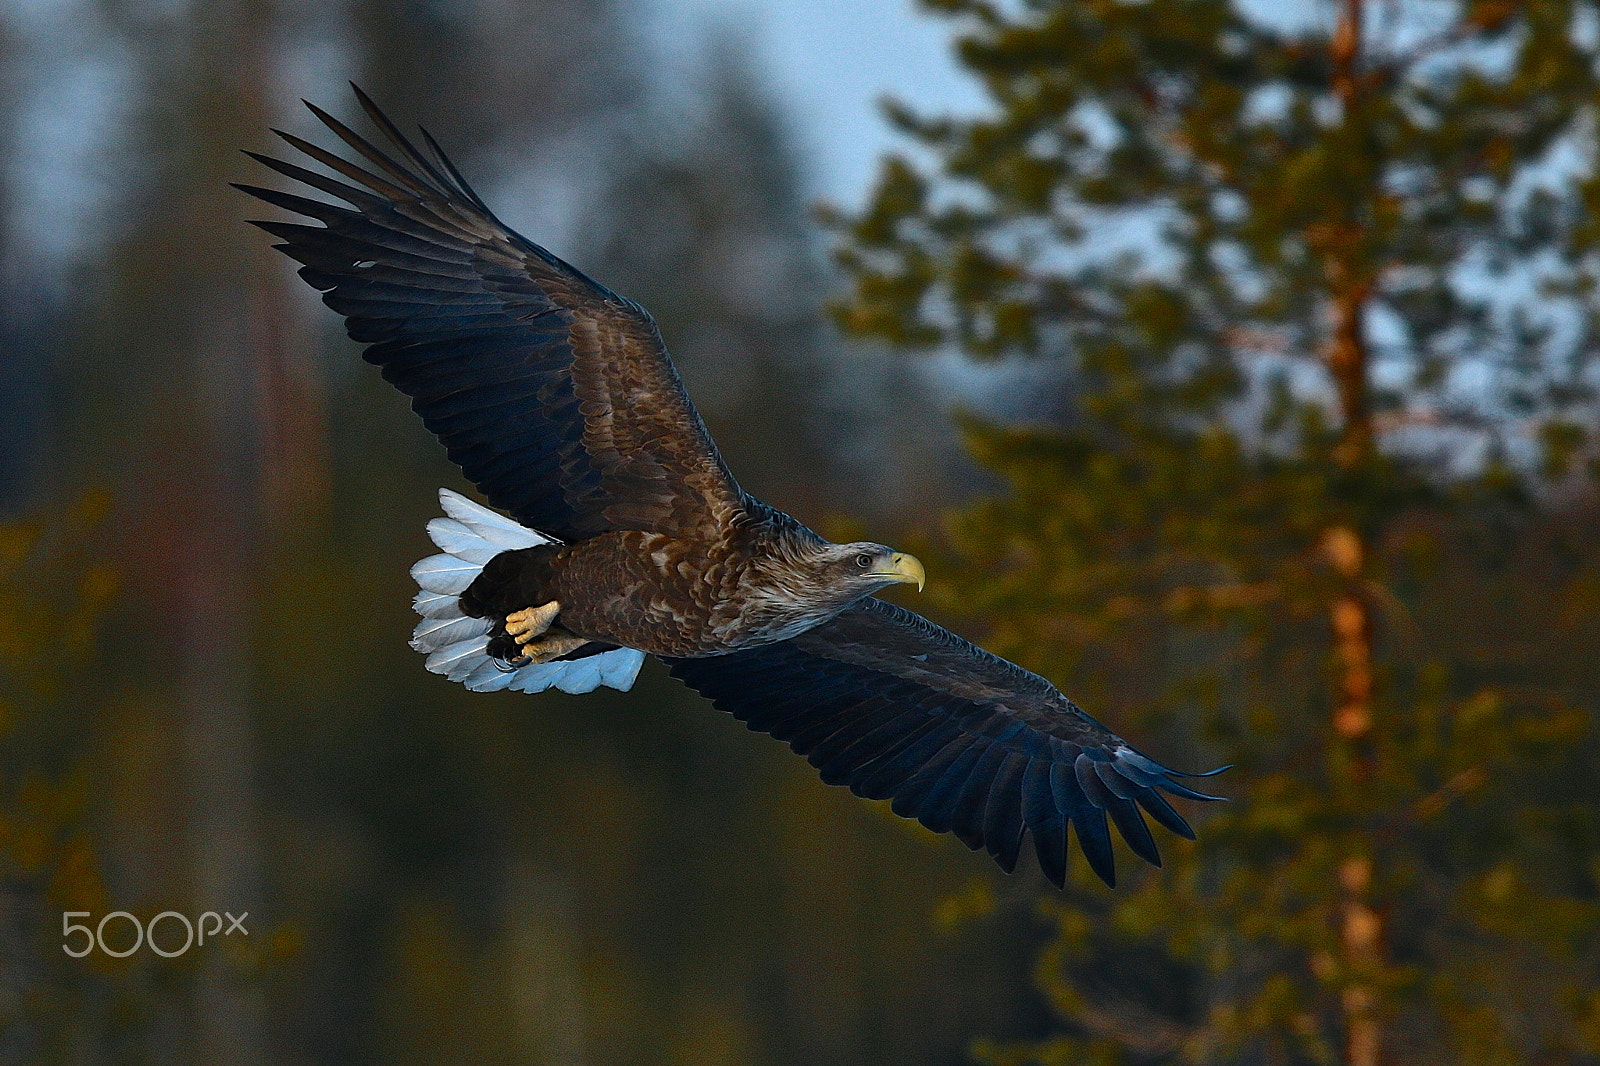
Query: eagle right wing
{"x": 884, "y": 701}
{"x": 553, "y": 394}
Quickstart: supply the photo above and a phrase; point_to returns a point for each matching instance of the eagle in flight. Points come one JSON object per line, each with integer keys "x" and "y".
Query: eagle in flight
{"x": 628, "y": 536}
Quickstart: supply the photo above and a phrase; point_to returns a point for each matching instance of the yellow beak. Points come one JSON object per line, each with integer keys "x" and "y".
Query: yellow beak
{"x": 906, "y": 569}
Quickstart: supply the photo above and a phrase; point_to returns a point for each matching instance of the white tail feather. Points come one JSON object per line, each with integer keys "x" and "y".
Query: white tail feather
{"x": 444, "y": 573}
{"x": 436, "y": 605}
{"x": 434, "y": 633}
{"x": 492, "y": 527}
{"x": 461, "y": 542}
{"x": 456, "y": 644}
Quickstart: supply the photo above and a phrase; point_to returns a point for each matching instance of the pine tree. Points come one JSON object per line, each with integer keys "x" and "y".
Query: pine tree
{"x": 1323, "y": 290}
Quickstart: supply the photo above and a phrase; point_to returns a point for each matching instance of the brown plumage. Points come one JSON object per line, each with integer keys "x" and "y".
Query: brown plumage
{"x": 674, "y": 596}
{"x": 557, "y": 399}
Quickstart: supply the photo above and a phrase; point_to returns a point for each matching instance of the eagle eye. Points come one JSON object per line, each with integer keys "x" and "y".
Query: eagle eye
{"x": 864, "y": 561}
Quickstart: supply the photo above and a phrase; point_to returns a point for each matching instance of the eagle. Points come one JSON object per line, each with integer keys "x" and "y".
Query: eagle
{"x": 619, "y": 532}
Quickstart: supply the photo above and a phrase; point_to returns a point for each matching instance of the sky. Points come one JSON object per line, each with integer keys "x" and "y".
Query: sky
{"x": 829, "y": 62}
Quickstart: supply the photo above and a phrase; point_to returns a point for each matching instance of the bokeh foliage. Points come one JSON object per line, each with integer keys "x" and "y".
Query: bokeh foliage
{"x": 1318, "y": 285}
{"x": 614, "y": 878}
{"x": 51, "y": 597}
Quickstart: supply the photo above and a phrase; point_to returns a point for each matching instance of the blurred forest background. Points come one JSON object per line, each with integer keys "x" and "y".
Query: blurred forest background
{"x": 1284, "y": 320}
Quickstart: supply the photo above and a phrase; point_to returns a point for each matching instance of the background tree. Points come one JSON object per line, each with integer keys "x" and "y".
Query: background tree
{"x": 1322, "y": 288}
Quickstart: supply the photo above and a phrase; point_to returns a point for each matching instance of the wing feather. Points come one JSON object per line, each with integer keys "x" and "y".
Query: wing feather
{"x": 1003, "y": 827}
{"x": 555, "y": 395}
{"x": 897, "y": 708}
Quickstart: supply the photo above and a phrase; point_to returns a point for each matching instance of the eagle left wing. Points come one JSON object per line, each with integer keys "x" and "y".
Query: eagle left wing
{"x": 884, "y": 701}
{"x": 553, "y": 394}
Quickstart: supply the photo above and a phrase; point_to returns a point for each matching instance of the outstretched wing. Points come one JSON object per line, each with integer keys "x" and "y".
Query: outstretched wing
{"x": 886, "y": 702}
{"x": 554, "y": 395}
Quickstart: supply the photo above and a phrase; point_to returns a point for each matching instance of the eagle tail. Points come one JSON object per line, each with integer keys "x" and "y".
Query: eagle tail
{"x": 456, "y": 644}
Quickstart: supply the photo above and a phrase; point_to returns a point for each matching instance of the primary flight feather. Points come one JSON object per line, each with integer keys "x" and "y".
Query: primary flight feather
{"x": 557, "y": 399}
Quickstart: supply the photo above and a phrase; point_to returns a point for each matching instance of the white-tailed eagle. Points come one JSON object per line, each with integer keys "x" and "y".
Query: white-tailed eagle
{"x": 630, "y": 536}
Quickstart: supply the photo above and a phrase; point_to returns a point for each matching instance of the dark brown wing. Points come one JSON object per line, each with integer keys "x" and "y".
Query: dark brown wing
{"x": 886, "y": 702}
{"x": 553, "y": 394}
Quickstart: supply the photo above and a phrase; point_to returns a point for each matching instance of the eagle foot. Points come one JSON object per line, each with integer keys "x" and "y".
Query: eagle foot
{"x": 551, "y": 647}
{"x": 527, "y": 624}
{"x": 536, "y": 643}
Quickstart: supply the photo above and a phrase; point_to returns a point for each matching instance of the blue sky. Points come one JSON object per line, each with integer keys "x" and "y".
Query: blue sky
{"x": 828, "y": 62}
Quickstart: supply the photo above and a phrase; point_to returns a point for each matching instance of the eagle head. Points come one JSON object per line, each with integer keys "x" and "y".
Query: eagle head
{"x": 808, "y": 580}
{"x": 862, "y": 568}
{"x": 823, "y": 578}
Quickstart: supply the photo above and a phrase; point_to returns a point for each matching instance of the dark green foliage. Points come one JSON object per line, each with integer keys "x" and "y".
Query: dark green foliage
{"x": 1268, "y": 260}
